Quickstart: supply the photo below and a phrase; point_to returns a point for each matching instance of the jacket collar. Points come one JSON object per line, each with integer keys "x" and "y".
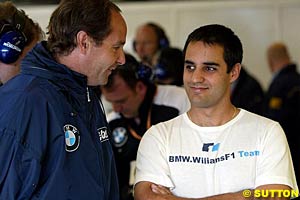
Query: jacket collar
{"x": 40, "y": 62}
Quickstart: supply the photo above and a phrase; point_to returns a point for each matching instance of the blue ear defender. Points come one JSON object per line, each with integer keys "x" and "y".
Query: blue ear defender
{"x": 12, "y": 39}
{"x": 144, "y": 72}
{"x": 161, "y": 71}
{"x": 11, "y": 46}
{"x": 163, "y": 41}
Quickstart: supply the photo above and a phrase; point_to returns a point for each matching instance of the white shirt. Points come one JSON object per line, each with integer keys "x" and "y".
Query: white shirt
{"x": 196, "y": 162}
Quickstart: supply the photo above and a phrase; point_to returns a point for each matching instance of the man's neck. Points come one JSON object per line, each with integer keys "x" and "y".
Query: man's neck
{"x": 212, "y": 117}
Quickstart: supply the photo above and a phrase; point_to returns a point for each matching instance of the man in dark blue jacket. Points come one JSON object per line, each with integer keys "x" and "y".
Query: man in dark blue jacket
{"x": 54, "y": 141}
{"x": 247, "y": 93}
{"x": 283, "y": 98}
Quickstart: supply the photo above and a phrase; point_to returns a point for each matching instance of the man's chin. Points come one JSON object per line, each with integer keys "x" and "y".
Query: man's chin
{"x": 128, "y": 116}
{"x": 103, "y": 81}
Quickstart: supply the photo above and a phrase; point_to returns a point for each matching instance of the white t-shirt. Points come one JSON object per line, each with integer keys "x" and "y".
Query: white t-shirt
{"x": 196, "y": 162}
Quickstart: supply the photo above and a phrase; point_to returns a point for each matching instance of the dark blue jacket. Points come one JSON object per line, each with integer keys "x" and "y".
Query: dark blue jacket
{"x": 53, "y": 135}
{"x": 283, "y": 105}
{"x": 247, "y": 93}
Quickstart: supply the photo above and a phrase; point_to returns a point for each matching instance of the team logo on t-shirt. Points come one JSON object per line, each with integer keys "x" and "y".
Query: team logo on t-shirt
{"x": 120, "y": 136}
{"x": 72, "y": 137}
{"x": 210, "y": 147}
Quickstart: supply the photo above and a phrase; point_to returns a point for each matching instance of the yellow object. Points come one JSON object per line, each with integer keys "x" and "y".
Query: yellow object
{"x": 275, "y": 103}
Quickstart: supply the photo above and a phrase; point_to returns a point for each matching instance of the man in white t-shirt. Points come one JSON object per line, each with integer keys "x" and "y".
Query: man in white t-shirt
{"x": 215, "y": 150}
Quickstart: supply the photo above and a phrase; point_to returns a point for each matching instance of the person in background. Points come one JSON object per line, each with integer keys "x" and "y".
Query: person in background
{"x": 215, "y": 150}
{"x": 247, "y": 93}
{"x": 54, "y": 140}
{"x": 18, "y": 34}
{"x": 282, "y": 101}
{"x": 150, "y": 38}
{"x": 169, "y": 67}
{"x": 137, "y": 103}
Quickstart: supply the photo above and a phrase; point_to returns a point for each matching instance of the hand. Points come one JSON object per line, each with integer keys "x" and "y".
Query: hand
{"x": 158, "y": 189}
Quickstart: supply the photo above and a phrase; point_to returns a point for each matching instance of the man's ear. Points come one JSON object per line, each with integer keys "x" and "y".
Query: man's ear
{"x": 140, "y": 88}
{"x": 83, "y": 41}
{"x": 235, "y": 72}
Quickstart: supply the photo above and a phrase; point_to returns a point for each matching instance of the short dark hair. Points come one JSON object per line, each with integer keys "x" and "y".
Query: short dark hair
{"x": 126, "y": 71}
{"x": 72, "y": 16}
{"x": 221, "y": 35}
{"x": 131, "y": 72}
{"x": 171, "y": 62}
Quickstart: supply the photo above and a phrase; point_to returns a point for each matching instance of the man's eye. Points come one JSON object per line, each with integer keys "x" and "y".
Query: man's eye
{"x": 190, "y": 67}
{"x": 209, "y": 68}
{"x": 116, "y": 47}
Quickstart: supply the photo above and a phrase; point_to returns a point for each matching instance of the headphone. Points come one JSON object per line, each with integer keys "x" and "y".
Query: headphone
{"x": 163, "y": 41}
{"x": 144, "y": 72}
{"x": 170, "y": 65}
{"x": 161, "y": 71}
{"x": 134, "y": 70}
{"x": 12, "y": 39}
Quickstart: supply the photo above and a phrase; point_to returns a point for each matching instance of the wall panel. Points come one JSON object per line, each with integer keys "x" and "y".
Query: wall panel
{"x": 257, "y": 22}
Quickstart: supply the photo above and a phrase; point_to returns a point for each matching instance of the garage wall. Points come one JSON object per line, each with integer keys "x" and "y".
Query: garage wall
{"x": 258, "y": 23}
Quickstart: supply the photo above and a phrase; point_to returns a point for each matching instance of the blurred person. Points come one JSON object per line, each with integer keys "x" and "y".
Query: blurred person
{"x": 150, "y": 38}
{"x": 283, "y": 97}
{"x": 18, "y": 34}
{"x": 215, "y": 150}
{"x": 247, "y": 93}
{"x": 54, "y": 141}
{"x": 169, "y": 67}
{"x": 137, "y": 103}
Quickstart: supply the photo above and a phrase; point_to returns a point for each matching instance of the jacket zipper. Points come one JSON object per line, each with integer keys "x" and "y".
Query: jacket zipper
{"x": 88, "y": 94}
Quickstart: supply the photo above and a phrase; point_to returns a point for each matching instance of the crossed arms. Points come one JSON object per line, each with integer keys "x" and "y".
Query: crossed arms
{"x": 149, "y": 191}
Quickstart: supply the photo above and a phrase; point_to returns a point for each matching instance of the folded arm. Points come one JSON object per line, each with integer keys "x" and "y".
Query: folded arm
{"x": 149, "y": 191}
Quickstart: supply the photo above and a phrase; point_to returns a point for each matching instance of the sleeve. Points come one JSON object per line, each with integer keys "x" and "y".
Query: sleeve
{"x": 19, "y": 169}
{"x": 22, "y": 143}
{"x": 275, "y": 164}
{"x": 151, "y": 164}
